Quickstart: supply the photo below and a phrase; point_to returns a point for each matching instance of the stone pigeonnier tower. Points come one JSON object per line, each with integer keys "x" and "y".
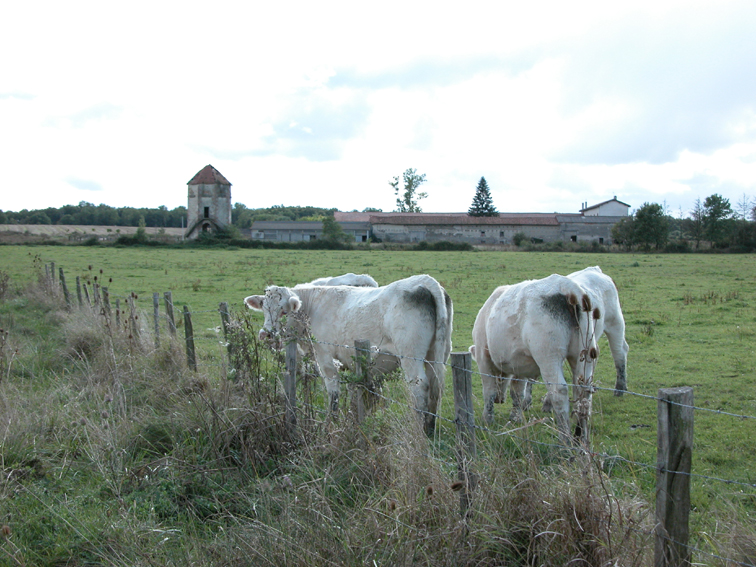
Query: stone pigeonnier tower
{"x": 209, "y": 208}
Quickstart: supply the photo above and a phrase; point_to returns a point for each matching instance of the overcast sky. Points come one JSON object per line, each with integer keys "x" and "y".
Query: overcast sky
{"x": 322, "y": 103}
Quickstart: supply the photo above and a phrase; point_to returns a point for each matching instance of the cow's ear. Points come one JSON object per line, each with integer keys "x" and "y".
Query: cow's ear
{"x": 254, "y": 302}
{"x": 295, "y": 303}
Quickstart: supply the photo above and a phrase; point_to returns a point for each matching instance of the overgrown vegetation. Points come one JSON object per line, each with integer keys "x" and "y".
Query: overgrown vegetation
{"x": 194, "y": 484}
{"x": 114, "y": 453}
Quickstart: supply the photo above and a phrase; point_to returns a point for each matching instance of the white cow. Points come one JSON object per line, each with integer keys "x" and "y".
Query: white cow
{"x": 409, "y": 320}
{"x": 357, "y": 280}
{"x": 528, "y": 330}
{"x": 604, "y": 296}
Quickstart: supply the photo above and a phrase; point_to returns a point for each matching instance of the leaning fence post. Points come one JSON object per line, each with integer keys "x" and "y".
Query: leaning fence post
{"x": 191, "y": 358}
{"x": 156, "y": 316}
{"x": 673, "y": 466}
{"x": 86, "y": 294}
{"x": 461, "y": 363}
{"x": 66, "y": 295}
{"x": 106, "y": 301}
{"x": 168, "y": 298}
{"x": 225, "y": 322}
{"x": 359, "y": 388}
{"x": 133, "y": 327}
{"x": 290, "y": 385}
{"x": 78, "y": 291}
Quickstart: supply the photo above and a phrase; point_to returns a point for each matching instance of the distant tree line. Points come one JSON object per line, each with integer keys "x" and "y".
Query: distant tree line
{"x": 242, "y": 217}
{"x": 90, "y": 214}
{"x": 711, "y": 224}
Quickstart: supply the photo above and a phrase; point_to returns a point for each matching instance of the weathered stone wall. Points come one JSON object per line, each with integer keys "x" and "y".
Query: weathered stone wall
{"x": 472, "y": 234}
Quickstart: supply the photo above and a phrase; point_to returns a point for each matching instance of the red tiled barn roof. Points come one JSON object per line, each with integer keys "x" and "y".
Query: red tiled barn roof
{"x": 548, "y": 219}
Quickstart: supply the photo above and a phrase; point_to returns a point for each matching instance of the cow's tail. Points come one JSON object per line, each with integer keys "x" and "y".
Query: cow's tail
{"x": 441, "y": 344}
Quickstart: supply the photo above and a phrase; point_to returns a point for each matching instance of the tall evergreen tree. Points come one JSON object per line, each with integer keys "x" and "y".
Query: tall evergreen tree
{"x": 482, "y": 205}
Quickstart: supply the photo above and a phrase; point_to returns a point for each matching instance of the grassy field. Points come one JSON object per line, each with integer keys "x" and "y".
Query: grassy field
{"x": 691, "y": 321}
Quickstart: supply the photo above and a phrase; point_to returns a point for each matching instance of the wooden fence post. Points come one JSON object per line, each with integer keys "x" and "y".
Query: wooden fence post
{"x": 78, "y": 291}
{"x": 673, "y": 466}
{"x": 86, "y": 294}
{"x": 118, "y": 312}
{"x": 156, "y": 317}
{"x": 359, "y": 390}
{"x": 168, "y": 298}
{"x": 66, "y": 295}
{"x": 225, "y": 322}
{"x": 290, "y": 386}
{"x": 106, "y": 301}
{"x": 191, "y": 358}
{"x": 461, "y": 363}
{"x": 133, "y": 327}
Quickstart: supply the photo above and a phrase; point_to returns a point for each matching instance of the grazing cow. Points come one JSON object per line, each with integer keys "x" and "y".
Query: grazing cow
{"x": 297, "y": 326}
{"x": 410, "y": 321}
{"x": 604, "y": 296}
{"x": 528, "y": 330}
{"x": 357, "y": 280}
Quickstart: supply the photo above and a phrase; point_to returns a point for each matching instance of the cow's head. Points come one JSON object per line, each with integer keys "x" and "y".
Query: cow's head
{"x": 276, "y": 304}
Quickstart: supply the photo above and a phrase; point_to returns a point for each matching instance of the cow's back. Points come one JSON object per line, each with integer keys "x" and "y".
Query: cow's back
{"x": 604, "y": 293}
{"x": 527, "y": 319}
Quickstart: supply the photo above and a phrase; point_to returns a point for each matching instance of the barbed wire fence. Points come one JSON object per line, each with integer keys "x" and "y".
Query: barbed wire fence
{"x": 675, "y": 409}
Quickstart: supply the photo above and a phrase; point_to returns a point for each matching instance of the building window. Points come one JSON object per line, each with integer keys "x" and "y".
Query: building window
{"x": 573, "y": 238}
{"x": 482, "y": 232}
{"x": 601, "y": 240}
{"x": 207, "y": 212}
{"x": 501, "y": 234}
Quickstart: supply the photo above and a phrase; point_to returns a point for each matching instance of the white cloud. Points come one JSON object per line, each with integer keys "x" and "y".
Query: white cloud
{"x": 322, "y": 103}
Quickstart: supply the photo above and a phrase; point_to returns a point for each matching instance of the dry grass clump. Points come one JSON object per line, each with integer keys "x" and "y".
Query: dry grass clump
{"x": 124, "y": 456}
{"x": 557, "y": 514}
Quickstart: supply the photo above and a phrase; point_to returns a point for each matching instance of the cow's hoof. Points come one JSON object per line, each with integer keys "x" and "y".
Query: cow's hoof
{"x": 516, "y": 416}
{"x": 619, "y": 393}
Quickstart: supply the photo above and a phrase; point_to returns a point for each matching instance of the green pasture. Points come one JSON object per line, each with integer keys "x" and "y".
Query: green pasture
{"x": 691, "y": 321}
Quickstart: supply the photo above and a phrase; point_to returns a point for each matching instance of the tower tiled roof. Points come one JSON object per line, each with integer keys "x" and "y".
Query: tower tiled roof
{"x": 208, "y": 175}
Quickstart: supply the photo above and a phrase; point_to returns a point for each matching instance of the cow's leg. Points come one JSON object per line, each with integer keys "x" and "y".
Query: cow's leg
{"x": 436, "y": 373}
{"x": 547, "y": 406}
{"x": 527, "y": 399}
{"x": 492, "y": 381}
{"x": 619, "y": 347}
{"x": 331, "y": 379}
{"x": 558, "y": 393}
{"x": 517, "y": 389}
{"x": 501, "y": 392}
{"x": 414, "y": 374}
